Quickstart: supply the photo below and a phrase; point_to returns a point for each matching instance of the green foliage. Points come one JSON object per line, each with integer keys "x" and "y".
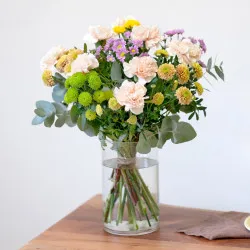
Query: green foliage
{"x": 116, "y": 71}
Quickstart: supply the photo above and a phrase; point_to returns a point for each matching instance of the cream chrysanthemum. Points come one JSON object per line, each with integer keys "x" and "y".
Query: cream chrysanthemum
{"x": 47, "y": 78}
{"x": 132, "y": 120}
{"x": 61, "y": 63}
{"x": 113, "y": 104}
{"x": 158, "y": 98}
{"x": 182, "y": 72}
{"x": 99, "y": 110}
{"x": 184, "y": 95}
{"x": 166, "y": 71}
{"x": 198, "y": 70}
{"x": 199, "y": 88}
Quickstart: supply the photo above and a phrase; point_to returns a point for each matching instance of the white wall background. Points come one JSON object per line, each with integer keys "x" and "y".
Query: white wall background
{"x": 46, "y": 173}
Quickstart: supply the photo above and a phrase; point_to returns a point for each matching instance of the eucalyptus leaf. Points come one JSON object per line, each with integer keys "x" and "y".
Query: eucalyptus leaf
{"x": 81, "y": 122}
{"x": 184, "y": 132}
{"x": 91, "y": 129}
{"x": 60, "y": 121}
{"x": 151, "y": 138}
{"x": 143, "y": 145}
{"x": 116, "y": 72}
{"x": 68, "y": 120}
{"x": 60, "y": 108}
{"x": 48, "y": 108}
{"x": 219, "y": 72}
{"x": 74, "y": 114}
{"x": 49, "y": 121}
{"x": 40, "y": 112}
{"x": 209, "y": 64}
{"x": 58, "y": 93}
{"x": 212, "y": 74}
{"x": 38, "y": 120}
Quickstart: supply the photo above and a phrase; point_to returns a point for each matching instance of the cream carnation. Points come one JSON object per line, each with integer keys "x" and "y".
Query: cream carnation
{"x": 100, "y": 33}
{"x": 48, "y": 61}
{"x": 131, "y": 95}
{"x": 144, "y": 67}
{"x": 84, "y": 63}
{"x": 186, "y": 51}
{"x": 151, "y": 35}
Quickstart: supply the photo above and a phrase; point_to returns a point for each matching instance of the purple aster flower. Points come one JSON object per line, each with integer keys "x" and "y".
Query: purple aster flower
{"x": 121, "y": 54}
{"x": 202, "y": 64}
{"x": 193, "y": 40}
{"x": 98, "y": 50}
{"x": 202, "y": 45}
{"x": 137, "y": 43}
{"x": 133, "y": 50}
{"x": 119, "y": 45}
{"x": 144, "y": 54}
{"x": 127, "y": 34}
{"x": 174, "y": 32}
{"x": 108, "y": 44}
{"x": 110, "y": 58}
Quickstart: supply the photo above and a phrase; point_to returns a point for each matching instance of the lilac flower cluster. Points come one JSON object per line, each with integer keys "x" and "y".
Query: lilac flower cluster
{"x": 174, "y": 32}
{"x": 120, "y": 48}
{"x": 202, "y": 64}
{"x": 203, "y": 45}
{"x": 98, "y": 51}
{"x": 193, "y": 40}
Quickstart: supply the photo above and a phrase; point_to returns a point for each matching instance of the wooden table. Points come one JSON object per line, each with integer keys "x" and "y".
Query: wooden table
{"x": 83, "y": 229}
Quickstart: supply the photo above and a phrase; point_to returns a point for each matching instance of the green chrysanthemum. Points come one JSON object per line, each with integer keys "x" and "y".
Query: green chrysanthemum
{"x": 47, "y": 78}
{"x": 77, "y": 80}
{"x": 85, "y": 99}
{"x": 99, "y": 96}
{"x": 182, "y": 72}
{"x": 158, "y": 98}
{"x": 71, "y": 95}
{"x": 113, "y": 104}
{"x": 90, "y": 115}
{"x": 94, "y": 80}
{"x": 99, "y": 110}
{"x": 108, "y": 94}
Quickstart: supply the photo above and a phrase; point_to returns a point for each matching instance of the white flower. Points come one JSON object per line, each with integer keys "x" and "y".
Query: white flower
{"x": 84, "y": 63}
{"x": 90, "y": 41}
{"x": 144, "y": 67}
{"x": 49, "y": 59}
{"x": 131, "y": 95}
{"x": 100, "y": 33}
{"x": 151, "y": 35}
{"x": 153, "y": 49}
{"x": 186, "y": 51}
{"x": 121, "y": 21}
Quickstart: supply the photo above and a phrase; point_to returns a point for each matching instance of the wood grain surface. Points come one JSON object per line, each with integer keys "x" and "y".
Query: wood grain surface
{"x": 83, "y": 229}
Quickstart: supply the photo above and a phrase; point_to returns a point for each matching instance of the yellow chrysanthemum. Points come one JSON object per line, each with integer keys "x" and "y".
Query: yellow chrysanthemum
{"x": 99, "y": 110}
{"x": 90, "y": 115}
{"x": 182, "y": 72}
{"x": 61, "y": 63}
{"x": 175, "y": 85}
{"x": 199, "y": 88}
{"x": 47, "y": 78}
{"x": 129, "y": 24}
{"x": 198, "y": 70}
{"x": 73, "y": 53}
{"x": 67, "y": 68}
{"x": 132, "y": 120}
{"x": 158, "y": 98}
{"x": 166, "y": 71}
{"x": 184, "y": 95}
{"x": 162, "y": 52}
{"x": 113, "y": 104}
{"x": 119, "y": 29}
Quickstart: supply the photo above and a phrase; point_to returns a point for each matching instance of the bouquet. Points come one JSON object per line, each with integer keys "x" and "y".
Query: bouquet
{"x": 128, "y": 83}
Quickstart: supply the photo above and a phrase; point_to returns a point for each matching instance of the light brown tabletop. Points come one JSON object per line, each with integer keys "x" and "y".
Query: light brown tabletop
{"x": 83, "y": 229}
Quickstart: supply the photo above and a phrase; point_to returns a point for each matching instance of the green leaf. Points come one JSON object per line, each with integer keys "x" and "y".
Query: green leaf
{"x": 219, "y": 72}
{"x": 81, "y": 122}
{"x": 187, "y": 109}
{"x": 60, "y": 108}
{"x": 151, "y": 138}
{"x": 91, "y": 129}
{"x": 116, "y": 72}
{"x": 74, "y": 114}
{"x": 184, "y": 132}
{"x": 48, "y": 108}
{"x": 40, "y": 112}
{"x": 209, "y": 64}
{"x": 68, "y": 120}
{"x": 49, "y": 121}
{"x": 212, "y": 74}
{"x": 58, "y": 93}
{"x": 38, "y": 120}
{"x": 143, "y": 145}
{"x": 85, "y": 48}
{"x": 60, "y": 121}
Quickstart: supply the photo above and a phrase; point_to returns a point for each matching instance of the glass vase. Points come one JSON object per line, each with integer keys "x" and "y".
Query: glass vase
{"x": 130, "y": 189}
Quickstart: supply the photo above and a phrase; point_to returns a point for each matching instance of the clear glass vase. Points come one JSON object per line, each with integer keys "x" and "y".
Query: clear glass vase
{"x": 130, "y": 189}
